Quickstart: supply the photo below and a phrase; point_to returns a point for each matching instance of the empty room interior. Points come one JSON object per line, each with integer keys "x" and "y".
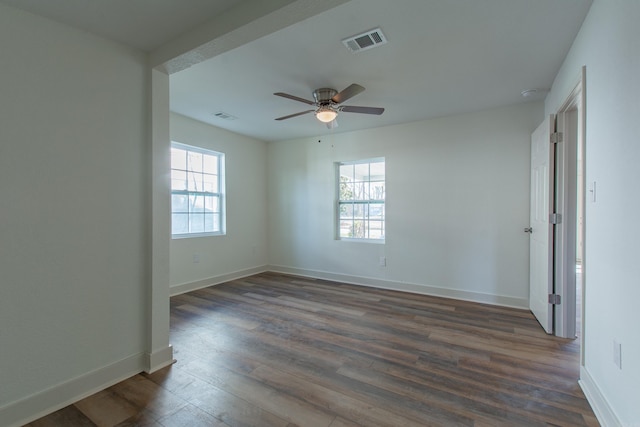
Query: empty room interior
{"x": 319, "y": 213}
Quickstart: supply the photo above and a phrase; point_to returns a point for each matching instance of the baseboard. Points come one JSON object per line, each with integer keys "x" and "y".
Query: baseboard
{"x": 405, "y": 287}
{"x": 601, "y": 408}
{"x": 38, "y": 405}
{"x": 159, "y": 359}
{"x": 216, "y": 280}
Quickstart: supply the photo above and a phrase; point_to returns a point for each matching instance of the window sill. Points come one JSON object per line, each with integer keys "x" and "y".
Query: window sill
{"x": 193, "y": 235}
{"x": 374, "y": 241}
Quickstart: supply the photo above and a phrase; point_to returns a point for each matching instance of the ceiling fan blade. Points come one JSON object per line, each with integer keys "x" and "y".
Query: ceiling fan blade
{"x": 295, "y": 98}
{"x": 295, "y": 115}
{"x": 348, "y": 93}
{"x": 363, "y": 110}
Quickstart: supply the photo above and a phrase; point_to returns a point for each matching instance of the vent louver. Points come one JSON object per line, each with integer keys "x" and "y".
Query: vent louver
{"x": 224, "y": 116}
{"x": 367, "y": 40}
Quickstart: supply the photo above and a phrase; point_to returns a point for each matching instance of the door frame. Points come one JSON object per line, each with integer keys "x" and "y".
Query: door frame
{"x": 571, "y": 121}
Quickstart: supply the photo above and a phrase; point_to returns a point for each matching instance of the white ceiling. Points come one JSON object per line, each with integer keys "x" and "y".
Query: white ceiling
{"x": 443, "y": 57}
{"x": 143, "y": 24}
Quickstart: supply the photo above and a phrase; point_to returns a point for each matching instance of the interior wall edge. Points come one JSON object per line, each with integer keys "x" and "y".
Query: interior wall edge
{"x": 159, "y": 359}
{"x": 601, "y": 408}
{"x": 45, "y": 402}
{"x": 415, "y": 288}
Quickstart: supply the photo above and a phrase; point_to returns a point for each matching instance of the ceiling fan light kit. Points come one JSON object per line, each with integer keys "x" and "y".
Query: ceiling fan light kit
{"x": 327, "y": 103}
{"x": 326, "y": 114}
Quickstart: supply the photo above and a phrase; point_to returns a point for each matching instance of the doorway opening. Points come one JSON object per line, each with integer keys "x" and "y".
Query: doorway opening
{"x": 557, "y": 221}
{"x": 569, "y": 260}
{"x": 579, "y": 230}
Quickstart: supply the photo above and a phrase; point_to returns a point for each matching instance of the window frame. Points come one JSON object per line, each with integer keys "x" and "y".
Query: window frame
{"x": 368, "y": 202}
{"x": 219, "y": 194}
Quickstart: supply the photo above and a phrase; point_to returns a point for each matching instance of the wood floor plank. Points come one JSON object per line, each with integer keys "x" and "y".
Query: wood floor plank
{"x": 235, "y": 411}
{"x": 106, "y": 408}
{"x": 333, "y": 401}
{"x": 284, "y": 351}
{"x": 68, "y": 416}
{"x": 262, "y": 395}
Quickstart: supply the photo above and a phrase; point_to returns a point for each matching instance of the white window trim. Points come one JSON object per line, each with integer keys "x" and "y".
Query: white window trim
{"x": 337, "y": 203}
{"x": 221, "y": 192}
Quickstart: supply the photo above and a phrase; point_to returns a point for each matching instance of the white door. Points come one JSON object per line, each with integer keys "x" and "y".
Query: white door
{"x": 541, "y": 229}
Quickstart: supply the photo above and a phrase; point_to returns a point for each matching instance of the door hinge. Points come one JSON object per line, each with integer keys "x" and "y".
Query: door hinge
{"x": 554, "y": 299}
{"x": 556, "y": 137}
{"x": 555, "y": 218}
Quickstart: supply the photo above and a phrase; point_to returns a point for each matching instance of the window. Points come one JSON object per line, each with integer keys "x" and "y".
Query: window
{"x": 361, "y": 196}
{"x": 197, "y": 191}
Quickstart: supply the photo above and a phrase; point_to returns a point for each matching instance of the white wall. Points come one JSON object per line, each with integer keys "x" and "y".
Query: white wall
{"x": 73, "y": 212}
{"x": 609, "y": 45}
{"x": 457, "y": 203}
{"x": 243, "y": 250}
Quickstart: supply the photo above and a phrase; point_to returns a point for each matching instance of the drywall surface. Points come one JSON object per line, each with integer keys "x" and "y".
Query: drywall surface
{"x": 457, "y": 202}
{"x": 73, "y": 215}
{"x": 609, "y": 45}
{"x": 244, "y": 245}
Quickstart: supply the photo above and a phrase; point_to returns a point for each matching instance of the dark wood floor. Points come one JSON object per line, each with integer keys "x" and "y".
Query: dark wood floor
{"x": 274, "y": 350}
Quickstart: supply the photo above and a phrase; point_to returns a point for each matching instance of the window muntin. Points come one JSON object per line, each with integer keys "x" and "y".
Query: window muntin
{"x": 361, "y": 196}
{"x": 197, "y": 191}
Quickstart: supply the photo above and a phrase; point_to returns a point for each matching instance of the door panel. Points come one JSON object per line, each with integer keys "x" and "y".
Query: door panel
{"x": 541, "y": 237}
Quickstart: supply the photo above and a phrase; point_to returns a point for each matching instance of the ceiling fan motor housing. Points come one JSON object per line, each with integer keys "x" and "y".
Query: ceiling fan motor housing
{"x": 323, "y": 95}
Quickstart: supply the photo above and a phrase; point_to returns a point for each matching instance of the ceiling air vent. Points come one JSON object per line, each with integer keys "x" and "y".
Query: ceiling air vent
{"x": 224, "y": 116}
{"x": 364, "y": 41}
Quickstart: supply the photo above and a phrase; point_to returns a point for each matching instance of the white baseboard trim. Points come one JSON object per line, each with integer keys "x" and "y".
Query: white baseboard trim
{"x": 159, "y": 359}
{"x": 216, "y": 280}
{"x": 604, "y": 413}
{"x": 38, "y": 405}
{"x": 405, "y": 287}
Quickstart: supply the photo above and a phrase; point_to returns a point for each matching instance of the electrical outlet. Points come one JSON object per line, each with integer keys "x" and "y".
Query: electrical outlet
{"x": 383, "y": 261}
{"x": 196, "y": 258}
{"x": 617, "y": 354}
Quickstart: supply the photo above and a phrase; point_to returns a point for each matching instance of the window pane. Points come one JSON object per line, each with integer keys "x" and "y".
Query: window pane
{"x": 179, "y": 223}
{"x": 179, "y": 203}
{"x": 212, "y": 204}
{"x": 376, "y": 230}
{"x": 208, "y": 222}
{"x": 358, "y": 211}
{"x": 178, "y": 180}
{"x": 346, "y": 228}
{"x": 377, "y": 171}
{"x": 346, "y": 171}
{"x": 376, "y": 211}
{"x": 194, "y": 161}
{"x": 362, "y": 190}
{"x": 210, "y": 164}
{"x": 216, "y": 223}
{"x": 346, "y": 210}
{"x": 358, "y": 230}
{"x": 346, "y": 190}
{"x": 358, "y": 191}
{"x": 178, "y": 158}
{"x": 196, "y": 223}
{"x": 194, "y": 181}
{"x": 210, "y": 183}
{"x": 377, "y": 190}
{"x": 196, "y": 203}
{"x": 362, "y": 172}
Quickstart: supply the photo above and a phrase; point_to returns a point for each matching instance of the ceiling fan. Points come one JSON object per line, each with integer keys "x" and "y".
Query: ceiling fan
{"x": 327, "y": 104}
